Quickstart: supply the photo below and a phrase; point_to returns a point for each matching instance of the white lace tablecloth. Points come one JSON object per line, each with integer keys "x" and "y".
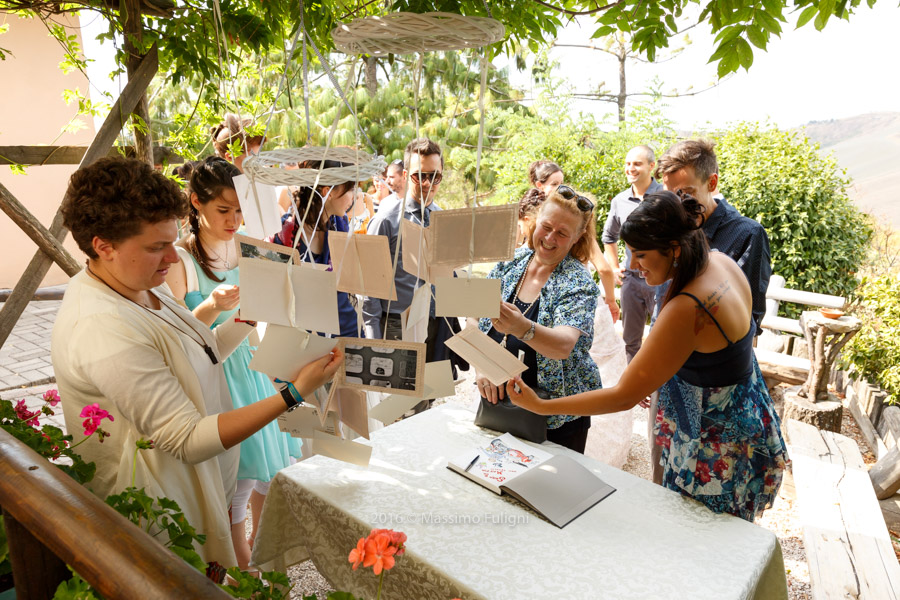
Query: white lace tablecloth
{"x": 464, "y": 541}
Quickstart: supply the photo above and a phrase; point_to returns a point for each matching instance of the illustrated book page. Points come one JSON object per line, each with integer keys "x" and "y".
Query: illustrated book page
{"x": 557, "y": 487}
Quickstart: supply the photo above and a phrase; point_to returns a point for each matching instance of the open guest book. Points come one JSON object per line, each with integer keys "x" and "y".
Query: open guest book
{"x": 555, "y": 486}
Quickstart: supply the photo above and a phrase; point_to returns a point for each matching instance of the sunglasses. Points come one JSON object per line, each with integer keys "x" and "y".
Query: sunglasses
{"x": 584, "y": 204}
{"x": 432, "y": 177}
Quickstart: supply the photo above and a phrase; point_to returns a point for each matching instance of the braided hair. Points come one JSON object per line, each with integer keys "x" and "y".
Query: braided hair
{"x": 664, "y": 220}
{"x": 530, "y": 202}
{"x": 209, "y": 178}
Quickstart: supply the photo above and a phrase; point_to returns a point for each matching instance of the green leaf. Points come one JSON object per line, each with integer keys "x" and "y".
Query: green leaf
{"x": 768, "y": 22}
{"x": 729, "y": 63}
{"x": 808, "y": 13}
{"x": 757, "y": 37}
{"x": 745, "y": 53}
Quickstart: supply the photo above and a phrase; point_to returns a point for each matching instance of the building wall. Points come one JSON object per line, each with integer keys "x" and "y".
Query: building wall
{"x": 32, "y": 112}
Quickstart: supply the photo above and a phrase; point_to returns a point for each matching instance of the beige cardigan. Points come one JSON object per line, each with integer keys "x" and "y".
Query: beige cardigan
{"x": 110, "y": 351}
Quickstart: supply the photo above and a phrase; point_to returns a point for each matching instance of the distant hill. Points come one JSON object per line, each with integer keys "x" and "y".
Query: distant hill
{"x": 868, "y": 146}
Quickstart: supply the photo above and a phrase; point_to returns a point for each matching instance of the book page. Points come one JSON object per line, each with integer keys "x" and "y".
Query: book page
{"x": 560, "y": 489}
{"x": 498, "y": 462}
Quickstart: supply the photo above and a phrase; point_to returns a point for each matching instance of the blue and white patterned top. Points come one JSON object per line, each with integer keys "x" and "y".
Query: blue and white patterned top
{"x": 568, "y": 298}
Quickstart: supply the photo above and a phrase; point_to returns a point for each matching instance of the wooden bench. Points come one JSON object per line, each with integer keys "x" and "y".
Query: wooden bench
{"x": 779, "y": 366}
{"x": 847, "y": 543}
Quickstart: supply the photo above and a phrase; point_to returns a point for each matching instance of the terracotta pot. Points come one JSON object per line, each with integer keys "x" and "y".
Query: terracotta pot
{"x": 831, "y": 313}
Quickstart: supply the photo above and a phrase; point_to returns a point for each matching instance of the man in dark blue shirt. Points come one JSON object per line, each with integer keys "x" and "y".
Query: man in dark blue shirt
{"x": 690, "y": 166}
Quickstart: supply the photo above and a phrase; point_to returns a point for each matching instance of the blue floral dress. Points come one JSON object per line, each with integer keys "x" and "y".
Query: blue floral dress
{"x": 268, "y": 450}
{"x": 568, "y": 298}
{"x": 721, "y": 442}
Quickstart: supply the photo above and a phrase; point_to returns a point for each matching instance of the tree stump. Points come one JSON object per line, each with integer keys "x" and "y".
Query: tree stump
{"x": 824, "y": 414}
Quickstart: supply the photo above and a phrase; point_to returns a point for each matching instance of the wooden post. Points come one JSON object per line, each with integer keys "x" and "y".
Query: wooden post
{"x": 103, "y": 141}
{"x": 36, "y": 570}
{"x": 133, "y": 31}
{"x": 37, "y": 232}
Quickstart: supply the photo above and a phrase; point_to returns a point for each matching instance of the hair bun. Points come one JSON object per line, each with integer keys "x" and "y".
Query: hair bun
{"x": 694, "y": 210}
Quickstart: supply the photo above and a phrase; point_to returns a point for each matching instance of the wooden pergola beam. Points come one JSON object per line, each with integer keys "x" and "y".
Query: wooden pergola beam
{"x": 30, "y": 281}
{"x": 33, "y": 228}
{"x": 73, "y": 155}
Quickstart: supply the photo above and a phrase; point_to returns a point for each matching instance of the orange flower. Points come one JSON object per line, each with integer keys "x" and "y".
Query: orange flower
{"x": 358, "y": 554}
{"x": 379, "y": 553}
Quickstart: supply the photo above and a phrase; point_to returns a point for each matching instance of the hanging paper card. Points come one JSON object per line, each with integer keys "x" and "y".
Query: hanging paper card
{"x": 303, "y": 422}
{"x": 493, "y": 235}
{"x": 414, "y": 245}
{"x": 249, "y": 247}
{"x": 467, "y": 297}
{"x": 259, "y": 206}
{"x": 284, "y": 351}
{"x": 439, "y": 379}
{"x": 352, "y": 410}
{"x": 383, "y": 366}
{"x": 392, "y": 408}
{"x": 266, "y": 291}
{"x": 315, "y": 299}
{"x": 338, "y": 449}
{"x": 414, "y": 320}
{"x": 363, "y": 264}
{"x": 487, "y": 356}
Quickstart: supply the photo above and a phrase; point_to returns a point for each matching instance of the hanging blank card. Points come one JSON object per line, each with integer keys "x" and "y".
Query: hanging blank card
{"x": 455, "y": 234}
{"x": 284, "y": 351}
{"x": 414, "y": 247}
{"x": 259, "y": 207}
{"x": 467, "y": 297}
{"x": 266, "y": 291}
{"x": 363, "y": 264}
{"x": 315, "y": 299}
{"x": 487, "y": 356}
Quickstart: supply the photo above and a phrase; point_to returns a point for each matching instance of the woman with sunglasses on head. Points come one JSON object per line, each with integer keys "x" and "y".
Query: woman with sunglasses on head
{"x": 123, "y": 342}
{"x": 320, "y": 210}
{"x": 547, "y": 313}
{"x": 720, "y": 437}
{"x": 544, "y": 175}
{"x": 206, "y": 280}
{"x": 230, "y": 135}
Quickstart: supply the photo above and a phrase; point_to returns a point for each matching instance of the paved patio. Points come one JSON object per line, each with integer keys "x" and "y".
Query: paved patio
{"x": 25, "y": 356}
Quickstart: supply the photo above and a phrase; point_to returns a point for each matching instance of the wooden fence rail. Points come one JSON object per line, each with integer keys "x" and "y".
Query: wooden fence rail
{"x": 52, "y": 521}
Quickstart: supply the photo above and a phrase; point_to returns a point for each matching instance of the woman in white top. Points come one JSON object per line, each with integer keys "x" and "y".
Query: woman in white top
{"x": 122, "y": 341}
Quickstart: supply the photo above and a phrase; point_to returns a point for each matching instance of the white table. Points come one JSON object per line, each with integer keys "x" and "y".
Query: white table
{"x": 643, "y": 541}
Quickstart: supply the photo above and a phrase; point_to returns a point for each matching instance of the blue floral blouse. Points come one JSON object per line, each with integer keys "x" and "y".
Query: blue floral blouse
{"x": 568, "y": 298}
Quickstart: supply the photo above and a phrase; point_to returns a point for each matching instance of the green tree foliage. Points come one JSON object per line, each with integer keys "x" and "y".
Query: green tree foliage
{"x": 818, "y": 238}
{"x": 874, "y": 352}
{"x": 590, "y": 153}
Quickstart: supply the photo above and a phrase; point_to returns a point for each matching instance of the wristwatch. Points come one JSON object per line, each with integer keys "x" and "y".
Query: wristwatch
{"x": 528, "y": 334}
{"x": 291, "y": 396}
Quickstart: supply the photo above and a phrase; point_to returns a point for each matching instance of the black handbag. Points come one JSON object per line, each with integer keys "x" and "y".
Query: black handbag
{"x": 506, "y": 417}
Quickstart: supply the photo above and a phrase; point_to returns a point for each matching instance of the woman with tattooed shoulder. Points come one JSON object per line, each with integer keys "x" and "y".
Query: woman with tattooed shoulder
{"x": 720, "y": 436}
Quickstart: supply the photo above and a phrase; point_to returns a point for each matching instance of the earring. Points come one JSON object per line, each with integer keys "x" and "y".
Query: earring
{"x": 675, "y": 263}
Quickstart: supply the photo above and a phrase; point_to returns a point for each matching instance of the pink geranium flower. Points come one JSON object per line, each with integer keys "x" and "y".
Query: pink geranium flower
{"x": 26, "y": 415}
{"x": 93, "y": 415}
{"x": 51, "y": 397}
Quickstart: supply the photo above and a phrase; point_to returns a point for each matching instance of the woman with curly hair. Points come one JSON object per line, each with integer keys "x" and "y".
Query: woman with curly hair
{"x": 122, "y": 341}
{"x": 720, "y": 437}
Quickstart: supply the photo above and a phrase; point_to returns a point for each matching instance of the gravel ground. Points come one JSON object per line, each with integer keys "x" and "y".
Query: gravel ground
{"x": 782, "y": 519}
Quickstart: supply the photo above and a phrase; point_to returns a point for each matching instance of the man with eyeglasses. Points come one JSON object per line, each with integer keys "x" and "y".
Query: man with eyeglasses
{"x": 425, "y": 165}
{"x": 637, "y": 298}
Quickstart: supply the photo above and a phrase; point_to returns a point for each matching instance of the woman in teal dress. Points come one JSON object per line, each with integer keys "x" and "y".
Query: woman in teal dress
{"x": 721, "y": 439}
{"x": 207, "y": 280}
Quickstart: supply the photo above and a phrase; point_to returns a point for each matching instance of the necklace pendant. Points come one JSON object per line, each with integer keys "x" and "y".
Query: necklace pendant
{"x": 503, "y": 342}
{"x": 211, "y": 354}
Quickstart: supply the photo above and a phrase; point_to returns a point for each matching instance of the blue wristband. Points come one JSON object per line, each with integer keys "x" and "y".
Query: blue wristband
{"x": 292, "y": 397}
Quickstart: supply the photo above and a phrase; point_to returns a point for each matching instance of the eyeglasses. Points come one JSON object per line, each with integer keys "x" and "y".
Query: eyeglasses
{"x": 432, "y": 177}
{"x": 584, "y": 204}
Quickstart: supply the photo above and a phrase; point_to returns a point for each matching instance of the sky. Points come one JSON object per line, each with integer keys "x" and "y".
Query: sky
{"x": 806, "y": 75}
